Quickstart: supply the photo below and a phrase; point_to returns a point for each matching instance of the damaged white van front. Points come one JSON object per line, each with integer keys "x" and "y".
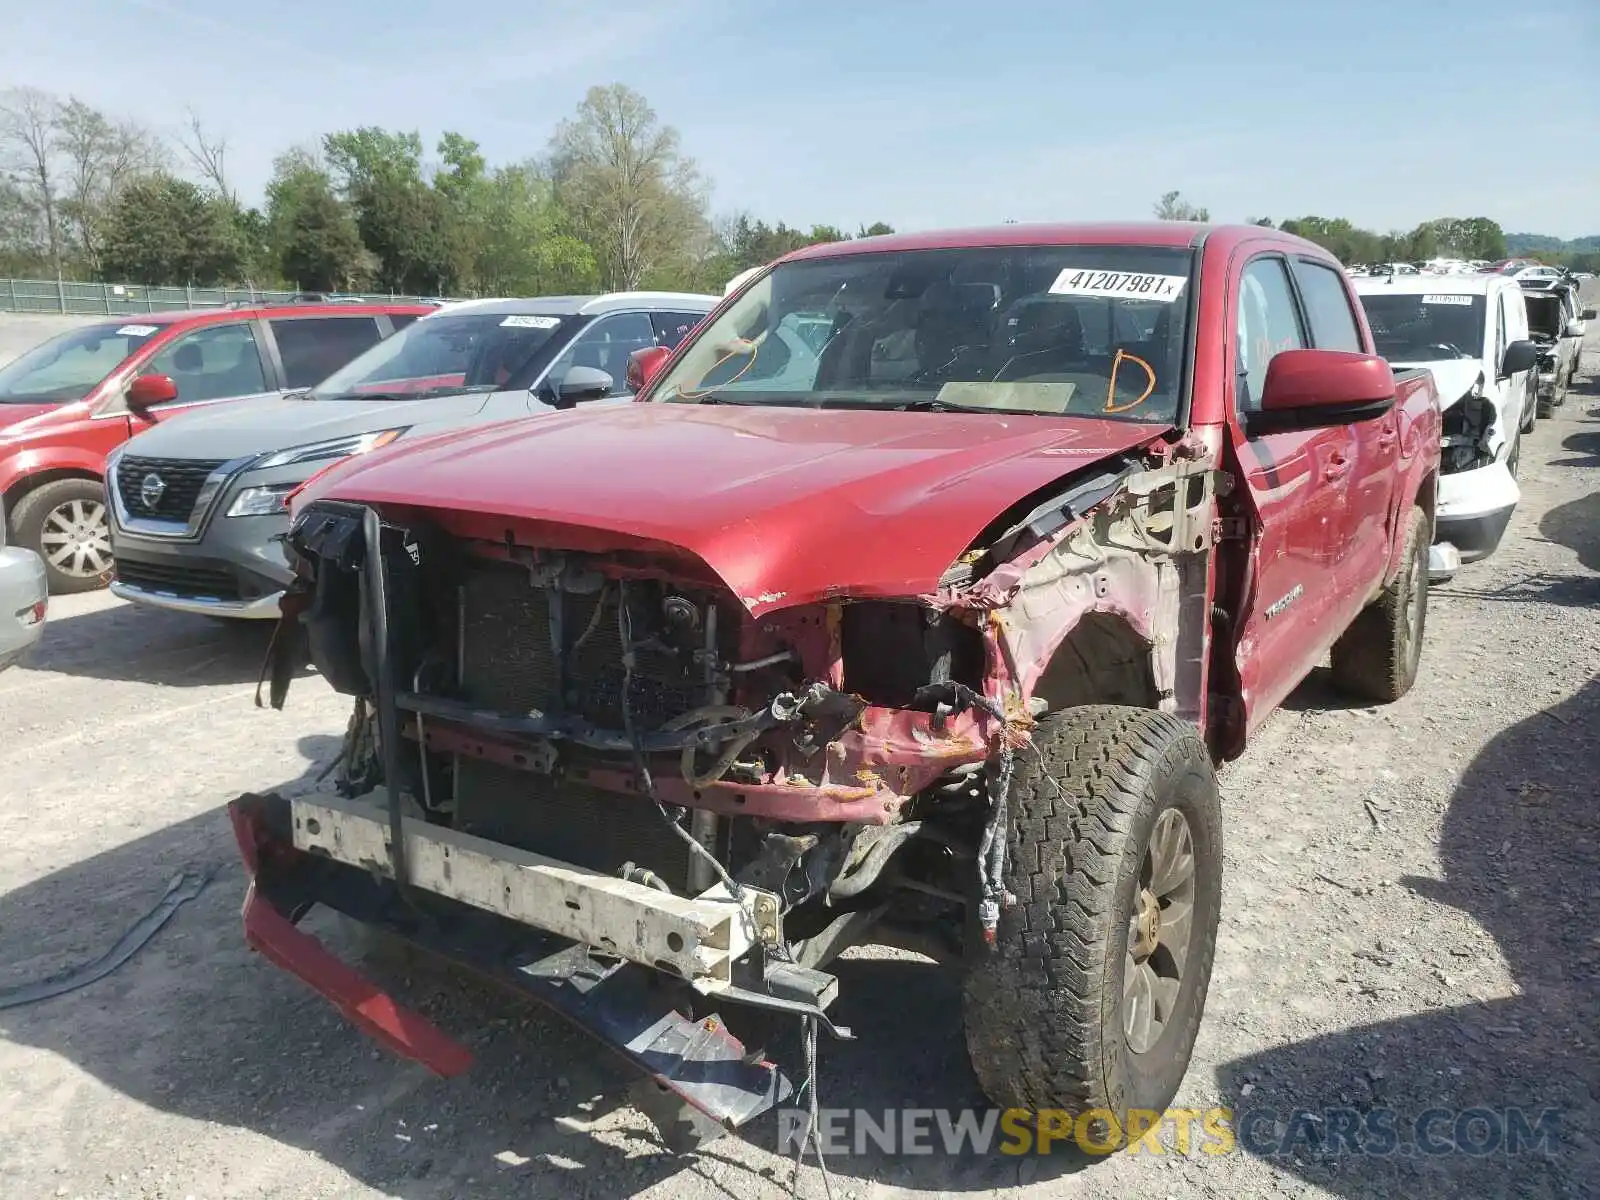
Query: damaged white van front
{"x": 1471, "y": 332}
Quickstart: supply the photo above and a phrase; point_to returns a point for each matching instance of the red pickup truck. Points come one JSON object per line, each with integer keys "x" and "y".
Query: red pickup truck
{"x": 66, "y": 404}
{"x": 927, "y": 631}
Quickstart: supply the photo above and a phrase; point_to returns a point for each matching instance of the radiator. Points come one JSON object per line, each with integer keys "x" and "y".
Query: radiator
{"x": 506, "y": 664}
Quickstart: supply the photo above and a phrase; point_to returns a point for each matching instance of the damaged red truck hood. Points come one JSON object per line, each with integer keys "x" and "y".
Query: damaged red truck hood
{"x": 786, "y": 505}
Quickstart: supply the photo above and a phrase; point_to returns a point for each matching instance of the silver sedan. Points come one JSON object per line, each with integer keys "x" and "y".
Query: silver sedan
{"x": 22, "y": 601}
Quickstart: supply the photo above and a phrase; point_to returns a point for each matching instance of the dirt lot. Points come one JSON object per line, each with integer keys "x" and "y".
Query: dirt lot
{"x": 1411, "y": 915}
{"x": 21, "y": 332}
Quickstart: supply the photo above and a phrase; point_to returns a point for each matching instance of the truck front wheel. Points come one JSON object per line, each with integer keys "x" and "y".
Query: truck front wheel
{"x": 1091, "y": 995}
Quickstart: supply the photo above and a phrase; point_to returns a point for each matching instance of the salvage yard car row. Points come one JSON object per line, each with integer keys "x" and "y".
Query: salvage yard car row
{"x": 912, "y": 596}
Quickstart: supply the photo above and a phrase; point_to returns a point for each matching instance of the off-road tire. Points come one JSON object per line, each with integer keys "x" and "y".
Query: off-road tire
{"x": 1044, "y": 1006}
{"x": 27, "y": 525}
{"x": 1377, "y": 657}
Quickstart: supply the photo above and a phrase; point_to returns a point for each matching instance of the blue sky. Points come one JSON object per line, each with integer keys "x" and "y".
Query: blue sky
{"x": 921, "y": 114}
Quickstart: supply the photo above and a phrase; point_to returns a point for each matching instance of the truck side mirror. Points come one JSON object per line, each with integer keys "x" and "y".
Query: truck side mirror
{"x": 147, "y": 391}
{"x": 644, "y": 364}
{"x": 1310, "y": 389}
{"x": 1520, "y": 356}
{"x": 1587, "y": 314}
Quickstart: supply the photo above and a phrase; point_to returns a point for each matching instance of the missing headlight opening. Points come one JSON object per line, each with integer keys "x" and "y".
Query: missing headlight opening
{"x": 1468, "y": 427}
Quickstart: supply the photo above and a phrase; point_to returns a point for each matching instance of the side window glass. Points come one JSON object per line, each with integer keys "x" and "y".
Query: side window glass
{"x": 672, "y": 328}
{"x": 213, "y": 363}
{"x": 1268, "y": 323}
{"x": 606, "y": 344}
{"x": 312, "y": 348}
{"x": 1333, "y": 324}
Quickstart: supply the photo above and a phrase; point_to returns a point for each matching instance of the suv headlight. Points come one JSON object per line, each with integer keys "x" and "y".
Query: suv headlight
{"x": 262, "y": 501}
{"x": 265, "y": 500}
{"x": 359, "y": 443}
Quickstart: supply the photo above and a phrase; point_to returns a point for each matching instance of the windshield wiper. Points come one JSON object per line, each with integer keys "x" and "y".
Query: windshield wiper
{"x": 419, "y": 394}
{"x": 933, "y": 404}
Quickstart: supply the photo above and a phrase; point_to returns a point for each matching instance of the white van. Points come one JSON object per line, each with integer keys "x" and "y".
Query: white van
{"x": 1471, "y": 332}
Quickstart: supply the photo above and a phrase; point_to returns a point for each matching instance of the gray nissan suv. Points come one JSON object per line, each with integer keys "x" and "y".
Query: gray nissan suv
{"x": 199, "y": 504}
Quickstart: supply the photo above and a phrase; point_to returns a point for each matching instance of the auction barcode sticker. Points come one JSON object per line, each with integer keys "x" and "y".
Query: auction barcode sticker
{"x": 1076, "y": 281}
{"x": 525, "y": 322}
{"x": 137, "y": 330}
{"x": 1446, "y": 298}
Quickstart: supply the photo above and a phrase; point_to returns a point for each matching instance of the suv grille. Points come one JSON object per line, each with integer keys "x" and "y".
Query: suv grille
{"x": 175, "y": 580}
{"x": 180, "y": 482}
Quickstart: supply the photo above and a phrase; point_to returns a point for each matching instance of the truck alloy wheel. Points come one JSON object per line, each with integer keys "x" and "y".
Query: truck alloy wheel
{"x": 1092, "y": 995}
{"x": 65, "y": 523}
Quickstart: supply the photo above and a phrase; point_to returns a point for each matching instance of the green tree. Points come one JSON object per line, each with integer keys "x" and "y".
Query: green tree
{"x": 528, "y": 246}
{"x": 399, "y": 216}
{"x": 97, "y": 156}
{"x": 636, "y": 198}
{"x": 1173, "y": 207}
{"x": 27, "y": 144}
{"x": 876, "y": 229}
{"x": 165, "y": 230}
{"x": 1338, "y": 236}
{"x": 312, "y": 233}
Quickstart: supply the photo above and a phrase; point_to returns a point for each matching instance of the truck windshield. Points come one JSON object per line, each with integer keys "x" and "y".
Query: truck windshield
{"x": 68, "y": 366}
{"x": 465, "y": 352}
{"x": 1418, "y": 327}
{"x": 1047, "y": 330}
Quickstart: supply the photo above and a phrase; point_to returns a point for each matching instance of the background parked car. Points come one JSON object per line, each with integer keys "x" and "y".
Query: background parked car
{"x": 22, "y": 601}
{"x": 67, "y": 403}
{"x": 1558, "y": 323}
{"x": 1471, "y": 333}
{"x": 198, "y": 506}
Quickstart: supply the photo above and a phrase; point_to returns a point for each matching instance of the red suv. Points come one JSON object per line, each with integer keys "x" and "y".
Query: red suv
{"x": 66, "y": 404}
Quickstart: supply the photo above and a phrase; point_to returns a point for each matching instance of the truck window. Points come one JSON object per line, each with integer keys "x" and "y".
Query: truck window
{"x": 1268, "y": 322}
{"x": 213, "y": 363}
{"x": 312, "y": 348}
{"x": 1333, "y": 325}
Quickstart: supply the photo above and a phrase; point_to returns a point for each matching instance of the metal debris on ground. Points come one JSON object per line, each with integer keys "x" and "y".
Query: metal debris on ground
{"x": 183, "y": 888}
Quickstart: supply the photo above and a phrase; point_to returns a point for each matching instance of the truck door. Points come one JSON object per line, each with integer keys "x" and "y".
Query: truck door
{"x": 1361, "y": 558}
{"x": 1295, "y": 484}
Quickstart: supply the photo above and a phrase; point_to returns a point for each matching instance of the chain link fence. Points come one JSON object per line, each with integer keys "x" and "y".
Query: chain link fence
{"x": 116, "y": 299}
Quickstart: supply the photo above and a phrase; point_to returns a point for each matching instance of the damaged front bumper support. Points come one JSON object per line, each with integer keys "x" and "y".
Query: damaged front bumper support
{"x": 591, "y": 946}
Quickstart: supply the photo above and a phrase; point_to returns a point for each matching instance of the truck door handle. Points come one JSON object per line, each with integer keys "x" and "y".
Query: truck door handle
{"x": 1338, "y": 466}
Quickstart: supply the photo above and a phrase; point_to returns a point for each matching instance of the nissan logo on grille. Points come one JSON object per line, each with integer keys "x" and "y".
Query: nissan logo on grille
{"x": 151, "y": 488}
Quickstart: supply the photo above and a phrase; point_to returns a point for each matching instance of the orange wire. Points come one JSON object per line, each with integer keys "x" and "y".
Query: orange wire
{"x": 1111, "y": 390}
{"x": 750, "y": 348}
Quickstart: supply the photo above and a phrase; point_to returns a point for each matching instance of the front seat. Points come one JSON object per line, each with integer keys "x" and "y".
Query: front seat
{"x": 1040, "y": 337}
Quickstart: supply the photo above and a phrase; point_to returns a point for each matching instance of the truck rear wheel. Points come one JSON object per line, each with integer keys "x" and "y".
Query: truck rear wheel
{"x": 1091, "y": 996}
{"x": 1377, "y": 657}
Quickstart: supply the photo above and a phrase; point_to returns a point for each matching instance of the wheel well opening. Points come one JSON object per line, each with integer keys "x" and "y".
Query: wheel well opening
{"x": 1427, "y": 498}
{"x": 1102, "y": 661}
{"x": 32, "y": 483}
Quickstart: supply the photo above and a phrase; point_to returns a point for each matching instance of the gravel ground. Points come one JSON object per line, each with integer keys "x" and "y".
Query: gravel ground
{"x": 21, "y": 332}
{"x": 1409, "y": 923}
